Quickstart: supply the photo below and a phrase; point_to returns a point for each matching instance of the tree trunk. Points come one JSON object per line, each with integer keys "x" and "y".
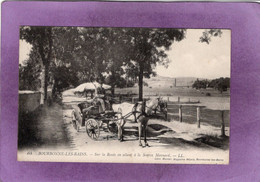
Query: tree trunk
{"x": 46, "y": 80}
{"x": 54, "y": 89}
{"x": 44, "y": 83}
{"x": 43, "y": 73}
{"x": 113, "y": 83}
{"x": 140, "y": 81}
{"x": 45, "y": 64}
{"x": 48, "y": 63}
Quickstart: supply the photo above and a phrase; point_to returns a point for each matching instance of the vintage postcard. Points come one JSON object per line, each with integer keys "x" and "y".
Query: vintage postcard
{"x": 124, "y": 95}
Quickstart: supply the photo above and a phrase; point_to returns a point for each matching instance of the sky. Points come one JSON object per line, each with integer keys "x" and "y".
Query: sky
{"x": 24, "y": 50}
{"x": 189, "y": 57}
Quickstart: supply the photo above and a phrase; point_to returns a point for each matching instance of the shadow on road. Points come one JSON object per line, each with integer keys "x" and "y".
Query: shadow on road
{"x": 163, "y": 134}
{"x": 43, "y": 128}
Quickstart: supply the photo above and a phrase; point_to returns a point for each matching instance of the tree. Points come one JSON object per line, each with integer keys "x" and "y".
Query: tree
{"x": 29, "y": 72}
{"x": 199, "y": 84}
{"x": 220, "y": 84}
{"x": 208, "y": 34}
{"x": 42, "y": 41}
{"x": 64, "y": 67}
{"x": 148, "y": 48}
{"x": 116, "y": 56}
{"x": 116, "y": 47}
{"x": 106, "y": 55}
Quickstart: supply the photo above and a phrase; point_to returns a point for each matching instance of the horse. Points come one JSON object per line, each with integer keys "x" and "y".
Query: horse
{"x": 141, "y": 111}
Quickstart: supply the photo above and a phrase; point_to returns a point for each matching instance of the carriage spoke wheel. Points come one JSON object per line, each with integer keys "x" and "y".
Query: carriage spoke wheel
{"x": 92, "y": 129}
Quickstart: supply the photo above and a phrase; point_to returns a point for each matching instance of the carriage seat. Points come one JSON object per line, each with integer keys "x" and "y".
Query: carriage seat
{"x": 95, "y": 105}
{"x": 85, "y": 106}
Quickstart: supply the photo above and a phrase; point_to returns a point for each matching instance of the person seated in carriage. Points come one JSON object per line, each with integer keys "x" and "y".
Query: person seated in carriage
{"x": 99, "y": 97}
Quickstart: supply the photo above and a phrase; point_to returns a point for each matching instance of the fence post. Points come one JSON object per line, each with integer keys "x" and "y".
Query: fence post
{"x": 198, "y": 116}
{"x": 120, "y": 98}
{"x": 168, "y": 99}
{"x": 178, "y": 99}
{"x": 133, "y": 100}
{"x": 180, "y": 113}
{"x": 222, "y": 124}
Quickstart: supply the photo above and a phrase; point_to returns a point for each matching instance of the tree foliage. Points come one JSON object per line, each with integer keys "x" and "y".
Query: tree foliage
{"x": 68, "y": 56}
{"x": 29, "y": 73}
{"x": 199, "y": 84}
{"x": 148, "y": 48}
{"x": 208, "y": 34}
{"x": 41, "y": 39}
{"x": 220, "y": 84}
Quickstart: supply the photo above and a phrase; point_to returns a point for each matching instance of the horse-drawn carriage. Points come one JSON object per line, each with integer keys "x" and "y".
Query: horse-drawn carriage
{"x": 91, "y": 115}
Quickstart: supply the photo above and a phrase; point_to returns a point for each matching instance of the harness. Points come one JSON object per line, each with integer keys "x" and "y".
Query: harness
{"x": 142, "y": 113}
{"x": 133, "y": 112}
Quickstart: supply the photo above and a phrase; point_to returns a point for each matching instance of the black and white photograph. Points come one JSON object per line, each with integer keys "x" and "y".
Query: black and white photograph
{"x": 124, "y": 95}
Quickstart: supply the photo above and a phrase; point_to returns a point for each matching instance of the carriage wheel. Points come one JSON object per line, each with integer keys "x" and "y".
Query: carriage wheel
{"x": 92, "y": 129}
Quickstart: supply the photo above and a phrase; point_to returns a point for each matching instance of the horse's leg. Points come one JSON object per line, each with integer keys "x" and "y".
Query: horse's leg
{"x": 122, "y": 135}
{"x": 119, "y": 132}
{"x": 140, "y": 133}
{"x": 120, "y": 126}
{"x": 145, "y": 134}
{"x": 122, "y": 129}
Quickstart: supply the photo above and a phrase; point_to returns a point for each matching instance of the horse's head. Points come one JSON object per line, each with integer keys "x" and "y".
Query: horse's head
{"x": 162, "y": 105}
{"x": 151, "y": 105}
{"x": 159, "y": 98}
{"x": 146, "y": 107}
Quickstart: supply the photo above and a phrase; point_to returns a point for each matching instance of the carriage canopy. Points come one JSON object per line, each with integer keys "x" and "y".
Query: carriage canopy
{"x": 90, "y": 86}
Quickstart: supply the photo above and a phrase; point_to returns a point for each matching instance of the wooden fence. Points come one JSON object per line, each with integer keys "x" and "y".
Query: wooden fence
{"x": 221, "y": 120}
